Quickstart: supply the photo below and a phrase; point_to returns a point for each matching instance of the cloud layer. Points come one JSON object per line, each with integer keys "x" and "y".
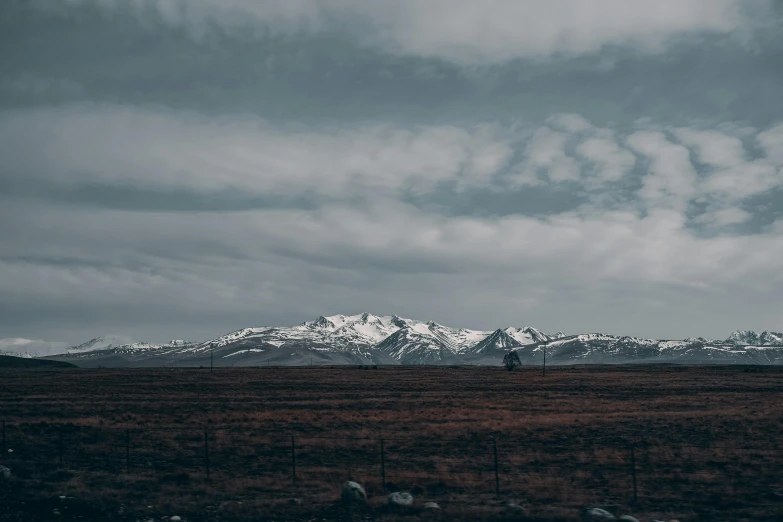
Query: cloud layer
{"x": 176, "y": 169}
{"x": 461, "y": 31}
{"x": 360, "y": 242}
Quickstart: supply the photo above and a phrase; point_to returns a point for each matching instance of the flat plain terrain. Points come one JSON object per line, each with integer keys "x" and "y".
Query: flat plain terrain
{"x": 701, "y": 443}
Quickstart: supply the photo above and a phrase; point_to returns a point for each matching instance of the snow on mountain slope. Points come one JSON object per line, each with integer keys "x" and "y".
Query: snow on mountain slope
{"x": 457, "y": 339}
{"x": 498, "y": 341}
{"x": 110, "y": 345}
{"x": 20, "y": 347}
{"x": 602, "y": 348}
{"x": 771, "y": 338}
{"x": 751, "y": 338}
{"x": 530, "y": 335}
{"x": 103, "y": 343}
{"x": 244, "y": 333}
{"x": 427, "y": 343}
{"x": 368, "y": 328}
{"x": 414, "y": 344}
{"x": 337, "y": 332}
{"x": 590, "y": 348}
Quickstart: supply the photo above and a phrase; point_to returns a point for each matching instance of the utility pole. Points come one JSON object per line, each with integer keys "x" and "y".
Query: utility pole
{"x": 544, "y": 370}
{"x": 211, "y": 349}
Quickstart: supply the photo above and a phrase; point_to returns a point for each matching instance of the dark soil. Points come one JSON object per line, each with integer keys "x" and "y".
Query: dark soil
{"x": 128, "y": 444}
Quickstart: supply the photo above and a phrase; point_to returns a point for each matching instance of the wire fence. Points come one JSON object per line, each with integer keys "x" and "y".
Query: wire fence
{"x": 624, "y": 471}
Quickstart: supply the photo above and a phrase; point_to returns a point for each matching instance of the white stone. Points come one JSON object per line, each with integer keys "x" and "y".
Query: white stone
{"x": 597, "y": 514}
{"x": 516, "y": 508}
{"x": 353, "y": 493}
{"x": 399, "y": 498}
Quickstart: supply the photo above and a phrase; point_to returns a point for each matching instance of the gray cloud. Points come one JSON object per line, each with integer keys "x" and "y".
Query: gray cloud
{"x": 163, "y": 149}
{"x": 461, "y": 31}
{"x": 117, "y": 55}
{"x": 175, "y": 171}
{"x": 104, "y": 260}
{"x": 257, "y": 265}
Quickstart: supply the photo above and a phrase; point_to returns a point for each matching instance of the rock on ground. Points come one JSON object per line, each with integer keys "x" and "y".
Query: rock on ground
{"x": 628, "y": 518}
{"x": 5, "y": 473}
{"x": 399, "y": 498}
{"x": 353, "y": 493}
{"x": 431, "y": 505}
{"x": 516, "y": 508}
{"x": 596, "y": 514}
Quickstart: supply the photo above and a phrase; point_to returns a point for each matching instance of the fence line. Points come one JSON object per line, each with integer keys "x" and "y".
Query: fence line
{"x": 639, "y": 443}
{"x": 497, "y": 464}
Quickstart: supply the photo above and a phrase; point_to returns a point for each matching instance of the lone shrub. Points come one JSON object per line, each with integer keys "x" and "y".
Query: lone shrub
{"x": 511, "y": 361}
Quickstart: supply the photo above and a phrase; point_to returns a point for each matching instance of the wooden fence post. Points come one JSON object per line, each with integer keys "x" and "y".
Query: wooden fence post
{"x": 633, "y": 474}
{"x": 127, "y": 450}
{"x": 60, "y": 448}
{"x": 497, "y": 474}
{"x": 293, "y": 460}
{"x": 206, "y": 452}
{"x": 383, "y": 467}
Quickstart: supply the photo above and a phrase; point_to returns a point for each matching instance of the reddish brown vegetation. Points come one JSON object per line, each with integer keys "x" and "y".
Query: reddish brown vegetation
{"x": 705, "y": 439}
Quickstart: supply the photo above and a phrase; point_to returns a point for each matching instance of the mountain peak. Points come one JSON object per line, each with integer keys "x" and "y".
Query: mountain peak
{"x": 528, "y": 335}
{"x": 499, "y": 340}
{"x": 768, "y": 338}
{"x": 741, "y": 334}
{"x": 103, "y": 342}
{"x": 338, "y": 321}
{"x": 751, "y": 338}
{"x": 414, "y": 344}
{"x": 323, "y": 322}
{"x": 399, "y": 322}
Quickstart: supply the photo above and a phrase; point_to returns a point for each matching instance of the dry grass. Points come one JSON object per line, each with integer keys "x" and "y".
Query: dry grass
{"x": 705, "y": 439}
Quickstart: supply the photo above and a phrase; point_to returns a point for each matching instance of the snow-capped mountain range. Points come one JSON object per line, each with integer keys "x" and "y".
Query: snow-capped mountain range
{"x": 371, "y": 339}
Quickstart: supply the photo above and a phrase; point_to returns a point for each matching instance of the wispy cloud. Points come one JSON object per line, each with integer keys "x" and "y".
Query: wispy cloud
{"x": 459, "y": 31}
{"x": 361, "y": 242}
{"x": 166, "y": 149}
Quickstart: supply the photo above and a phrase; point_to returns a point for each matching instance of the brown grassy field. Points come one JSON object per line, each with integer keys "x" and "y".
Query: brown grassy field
{"x": 130, "y": 444}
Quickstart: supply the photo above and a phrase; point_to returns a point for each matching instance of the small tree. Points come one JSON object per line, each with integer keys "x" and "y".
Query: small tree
{"x": 511, "y": 361}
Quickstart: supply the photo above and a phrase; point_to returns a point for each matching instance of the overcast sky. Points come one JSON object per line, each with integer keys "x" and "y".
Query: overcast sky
{"x": 181, "y": 169}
